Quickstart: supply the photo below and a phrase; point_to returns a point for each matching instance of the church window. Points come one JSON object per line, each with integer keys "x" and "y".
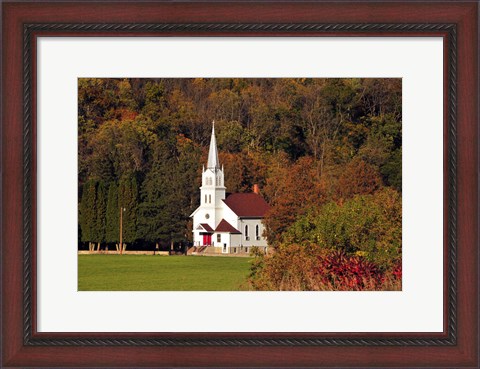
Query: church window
{"x": 246, "y": 233}
{"x": 219, "y": 238}
{"x": 205, "y": 199}
{"x": 209, "y": 199}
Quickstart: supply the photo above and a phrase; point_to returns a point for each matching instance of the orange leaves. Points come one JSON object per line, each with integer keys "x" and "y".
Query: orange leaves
{"x": 359, "y": 178}
{"x": 126, "y": 114}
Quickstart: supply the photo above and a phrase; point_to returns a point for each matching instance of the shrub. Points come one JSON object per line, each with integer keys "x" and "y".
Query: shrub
{"x": 288, "y": 268}
{"x": 367, "y": 225}
{"x": 311, "y": 268}
{"x": 340, "y": 271}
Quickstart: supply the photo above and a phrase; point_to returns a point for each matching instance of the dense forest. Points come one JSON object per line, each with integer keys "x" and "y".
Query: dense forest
{"x": 326, "y": 154}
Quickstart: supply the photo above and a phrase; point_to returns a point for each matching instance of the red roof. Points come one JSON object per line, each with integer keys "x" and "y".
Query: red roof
{"x": 206, "y": 227}
{"x": 247, "y": 204}
{"x": 224, "y": 226}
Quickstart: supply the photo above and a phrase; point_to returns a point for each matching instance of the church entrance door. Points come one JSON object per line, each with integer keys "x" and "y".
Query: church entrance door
{"x": 207, "y": 239}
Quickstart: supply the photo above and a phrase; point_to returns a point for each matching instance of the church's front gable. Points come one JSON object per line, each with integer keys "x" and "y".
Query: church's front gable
{"x": 230, "y": 216}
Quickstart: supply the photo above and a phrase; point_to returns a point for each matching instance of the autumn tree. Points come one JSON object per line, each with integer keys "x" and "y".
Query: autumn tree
{"x": 241, "y": 171}
{"x": 358, "y": 178}
{"x": 230, "y": 136}
{"x": 294, "y": 193}
{"x": 120, "y": 149}
{"x": 155, "y": 102}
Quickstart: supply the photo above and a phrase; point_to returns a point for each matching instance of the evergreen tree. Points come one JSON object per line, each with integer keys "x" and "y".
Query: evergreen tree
{"x": 159, "y": 210}
{"x": 132, "y": 205}
{"x": 101, "y": 215}
{"x": 187, "y": 181}
{"x": 112, "y": 218}
{"x": 88, "y": 211}
{"x": 128, "y": 200}
{"x": 82, "y": 206}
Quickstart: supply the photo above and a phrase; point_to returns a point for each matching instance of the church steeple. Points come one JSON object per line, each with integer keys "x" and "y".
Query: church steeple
{"x": 213, "y": 162}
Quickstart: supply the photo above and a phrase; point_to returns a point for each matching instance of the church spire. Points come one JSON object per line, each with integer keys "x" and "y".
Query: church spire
{"x": 213, "y": 162}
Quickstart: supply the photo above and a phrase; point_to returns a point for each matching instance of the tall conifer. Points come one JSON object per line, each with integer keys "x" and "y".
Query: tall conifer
{"x": 159, "y": 210}
{"x": 82, "y": 206}
{"x": 100, "y": 214}
{"x": 88, "y": 211}
{"x": 187, "y": 180}
{"x": 128, "y": 200}
{"x": 112, "y": 221}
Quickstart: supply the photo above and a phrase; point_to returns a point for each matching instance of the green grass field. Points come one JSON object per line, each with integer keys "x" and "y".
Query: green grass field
{"x": 161, "y": 273}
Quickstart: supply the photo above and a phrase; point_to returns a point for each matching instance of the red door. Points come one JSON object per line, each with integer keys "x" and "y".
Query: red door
{"x": 207, "y": 239}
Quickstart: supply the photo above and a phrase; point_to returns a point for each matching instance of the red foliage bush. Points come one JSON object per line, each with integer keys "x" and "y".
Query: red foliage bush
{"x": 348, "y": 272}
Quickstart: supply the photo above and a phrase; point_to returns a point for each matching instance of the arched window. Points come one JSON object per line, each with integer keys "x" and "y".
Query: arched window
{"x": 257, "y": 232}
{"x": 209, "y": 199}
{"x": 246, "y": 233}
{"x": 205, "y": 199}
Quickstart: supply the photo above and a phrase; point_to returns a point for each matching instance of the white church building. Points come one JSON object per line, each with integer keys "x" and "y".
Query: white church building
{"x": 232, "y": 224}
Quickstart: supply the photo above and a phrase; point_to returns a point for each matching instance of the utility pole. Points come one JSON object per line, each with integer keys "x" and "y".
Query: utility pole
{"x": 121, "y": 230}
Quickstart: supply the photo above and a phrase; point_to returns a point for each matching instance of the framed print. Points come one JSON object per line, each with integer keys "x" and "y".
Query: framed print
{"x": 239, "y": 184}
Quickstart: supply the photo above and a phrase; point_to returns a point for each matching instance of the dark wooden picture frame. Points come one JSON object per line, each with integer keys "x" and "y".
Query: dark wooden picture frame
{"x": 23, "y": 22}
